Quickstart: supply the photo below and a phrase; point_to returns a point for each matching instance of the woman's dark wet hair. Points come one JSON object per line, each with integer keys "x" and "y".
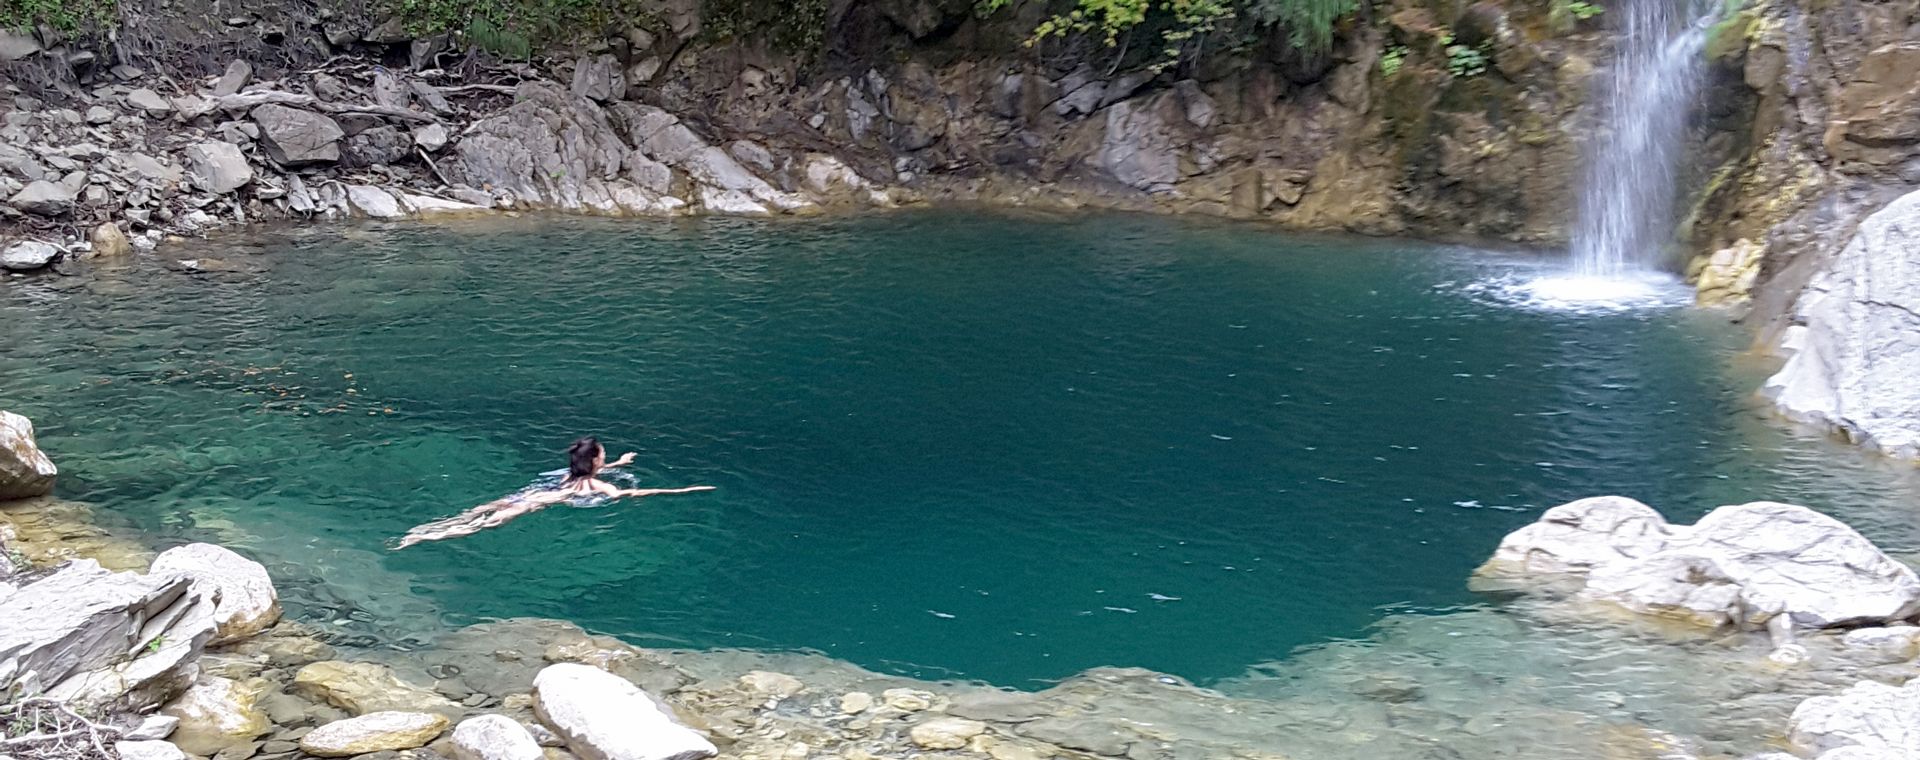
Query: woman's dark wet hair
{"x": 580, "y": 457}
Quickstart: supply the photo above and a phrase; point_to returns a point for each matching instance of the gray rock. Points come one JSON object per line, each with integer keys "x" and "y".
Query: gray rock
{"x": 151, "y": 168}
{"x": 389, "y": 91}
{"x": 106, "y": 639}
{"x": 431, "y": 137}
{"x": 101, "y": 115}
{"x": 28, "y": 255}
{"x": 25, "y": 471}
{"x": 752, "y": 154}
{"x": 604, "y": 717}
{"x": 149, "y": 101}
{"x": 494, "y": 737}
{"x": 429, "y": 97}
{"x": 16, "y": 45}
{"x": 548, "y": 149}
{"x": 218, "y": 166}
{"x": 1139, "y": 148}
{"x": 237, "y": 75}
{"x": 729, "y": 182}
{"x": 379, "y": 145}
{"x": 45, "y": 198}
{"x": 20, "y": 164}
{"x": 296, "y": 137}
{"x": 148, "y": 750}
{"x": 1853, "y": 362}
{"x": 245, "y": 601}
{"x": 1197, "y": 105}
{"x": 599, "y": 78}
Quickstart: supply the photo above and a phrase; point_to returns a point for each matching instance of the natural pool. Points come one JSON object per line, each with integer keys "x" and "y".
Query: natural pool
{"x": 947, "y": 444}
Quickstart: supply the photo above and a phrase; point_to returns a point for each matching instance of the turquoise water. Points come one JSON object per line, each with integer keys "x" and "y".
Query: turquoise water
{"x": 945, "y": 444}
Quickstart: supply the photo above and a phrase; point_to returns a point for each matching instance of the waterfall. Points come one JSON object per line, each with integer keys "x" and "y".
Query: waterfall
{"x": 1626, "y": 201}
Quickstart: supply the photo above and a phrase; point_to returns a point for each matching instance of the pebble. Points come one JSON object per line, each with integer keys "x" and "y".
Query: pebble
{"x": 908, "y": 700}
{"x": 855, "y": 702}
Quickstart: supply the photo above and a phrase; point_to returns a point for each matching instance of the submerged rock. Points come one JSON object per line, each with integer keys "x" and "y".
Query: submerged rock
{"x": 25, "y": 471}
{"x": 604, "y": 717}
{"x": 245, "y": 604}
{"x": 1740, "y": 565}
{"x": 373, "y": 732}
{"x": 365, "y": 687}
{"x": 1855, "y": 353}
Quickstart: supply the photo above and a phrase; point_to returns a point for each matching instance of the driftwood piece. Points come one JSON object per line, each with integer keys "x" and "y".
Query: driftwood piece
{"x": 248, "y": 100}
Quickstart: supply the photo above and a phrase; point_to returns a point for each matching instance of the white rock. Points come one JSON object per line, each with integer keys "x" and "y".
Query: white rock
{"x": 366, "y": 687}
{"x": 373, "y": 732}
{"x": 148, "y": 750}
{"x": 1578, "y": 536}
{"x": 427, "y": 205}
{"x": 431, "y": 138}
{"x": 826, "y": 174}
{"x": 1870, "y": 714}
{"x": 374, "y": 202}
{"x": 494, "y": 737}
{"x": 773, "y": 684}
{"x": 1740, "y": 565}
{"x": 28, "y": 255}
{"x": 245, "y": 602}
{"x": 721, "y": 201}
{"x": 44, "y": 198}
{"x": 1897, "y": 643}
{"x": 604, "y": 717}
{"x": 855, "y": 702}
{"x": 24, "y": 470}
{"x": 1854, "y": 362}
{"x": 149, "y": 101}
{"x": 217, "y": 713}
{"x": 153, "y": 727}
{"x": 101, "y": 638}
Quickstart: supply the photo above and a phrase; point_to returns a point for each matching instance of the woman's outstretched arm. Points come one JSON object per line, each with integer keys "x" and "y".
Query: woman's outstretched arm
{"x": 489, "y": 515}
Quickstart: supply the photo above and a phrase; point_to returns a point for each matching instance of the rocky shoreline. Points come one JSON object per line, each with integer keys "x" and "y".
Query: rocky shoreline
{"x": 1791, "y": 625}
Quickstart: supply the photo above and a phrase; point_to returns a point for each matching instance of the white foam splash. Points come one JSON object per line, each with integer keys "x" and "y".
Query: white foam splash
{"x": 1582, "y": 294}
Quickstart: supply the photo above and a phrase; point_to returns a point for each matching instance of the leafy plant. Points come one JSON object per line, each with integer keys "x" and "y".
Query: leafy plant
{"x": 1583, "y": 10}
{"x": 156, "y": 644}
{"x": 1464, "y": 60}
{"x": 1392, "y": 59}
{"x": 511, "y": 28}
{"x": 797, "y": 26}
{"x": 1183, "y": 24}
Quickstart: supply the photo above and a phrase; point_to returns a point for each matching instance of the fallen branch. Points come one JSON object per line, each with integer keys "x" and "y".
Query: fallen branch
{"x": 248, "y": 100}
{"x": 457, "y": 89}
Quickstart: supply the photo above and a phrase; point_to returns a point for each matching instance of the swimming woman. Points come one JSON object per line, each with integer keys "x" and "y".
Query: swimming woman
{"x": 585, "y": 459}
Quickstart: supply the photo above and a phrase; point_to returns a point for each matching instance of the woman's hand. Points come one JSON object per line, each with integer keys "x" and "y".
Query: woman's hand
{"x": 625, "y": 459}
{"x": 658, "y": 491}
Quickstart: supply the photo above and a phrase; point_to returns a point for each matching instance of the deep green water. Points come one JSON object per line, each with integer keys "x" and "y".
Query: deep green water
{"x": 946, "y": 444}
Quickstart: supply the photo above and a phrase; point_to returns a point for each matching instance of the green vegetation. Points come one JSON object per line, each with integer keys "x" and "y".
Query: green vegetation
{"x": 1392, "y": 59}
{"x": 1464, "y": 60}
{"x": 799, "y": 26}
{"x": 513, "y": 28}
{"x": 64, "y": 15}
{"x": 1583, "y": 10}
{"x": 1183, "y": 26}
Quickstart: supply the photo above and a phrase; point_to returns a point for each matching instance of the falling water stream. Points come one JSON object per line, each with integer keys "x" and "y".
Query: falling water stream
{"x": 1627, "y": 197}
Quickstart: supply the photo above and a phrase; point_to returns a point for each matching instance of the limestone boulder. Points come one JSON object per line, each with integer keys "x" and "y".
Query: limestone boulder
{"x": 297, "y": 137}
{"x": 373, "y": 732}
{"x": 108, "y": 241}
{"x": 946, "y": 733}
{"x": 365, "y": 687}
{"x": 550, "y": 149}
{"x": 148, "y": 750}
{"x": 25, "y": 471}
{"x": 604, "y": 717}
{"x": 103, "y": 639}
{"x": 1741, "y": 565}
{"x": 374, "y": 202}
{"x": 1870, "y": 716}
{"x": 245, "y": 602}
{"x": 217, "y": 713}
{"x": 218, "y": 166}
{"x": 1579, "y": 536}
{"x": 1856, "y": 350}
{"x": 28, "y": 255}
{"x": 494, "y": 737}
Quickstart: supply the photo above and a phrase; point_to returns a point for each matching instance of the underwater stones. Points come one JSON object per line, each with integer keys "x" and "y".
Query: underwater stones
{"x": 1855, "y": 349}
{"x": 1869, "y": 715}
{"x": 365, "y": 687}
{"x": 373, "y": 732}
{"x": 1740, "y": 565}
{"x": 946, "y": 733}
{"x": 25, "y": 471}
{"x": 217, "y": 713}
{"x": 604, "y": 717}
{"x": 245, "y": 601}
{"x": 494, "y": 737}
{"x": 777, "y": 685}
